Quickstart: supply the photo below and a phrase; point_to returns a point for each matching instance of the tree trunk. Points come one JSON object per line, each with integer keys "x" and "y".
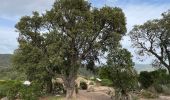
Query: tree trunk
{"x": 70, "y": 94}
{"x": 70, "y": 88}
{"x": 121, "y": 95}
{"x": 49, "y": 86}
{"x": 71, "y": 76}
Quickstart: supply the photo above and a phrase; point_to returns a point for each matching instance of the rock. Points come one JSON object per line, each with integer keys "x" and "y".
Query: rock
{"x": 5, "y": 98}
{"x": 57, "y": 95}
{"x": 90, "y": 88}
{"x": 110, "y": 91}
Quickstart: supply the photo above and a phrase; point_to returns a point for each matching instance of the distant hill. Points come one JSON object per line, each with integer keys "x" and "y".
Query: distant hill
{"x": 143, "y": 67}
{"x": 5, "y": 60}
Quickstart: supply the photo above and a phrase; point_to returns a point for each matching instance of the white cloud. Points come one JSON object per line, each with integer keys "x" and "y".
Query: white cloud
{"x": 13, "y": 9}
{"x": 138, "y": 14}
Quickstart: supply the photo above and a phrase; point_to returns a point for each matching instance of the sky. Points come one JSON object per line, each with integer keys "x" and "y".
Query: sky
{"x": 136, "y": 12}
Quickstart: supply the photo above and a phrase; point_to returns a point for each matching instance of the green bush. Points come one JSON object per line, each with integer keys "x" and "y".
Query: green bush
{"x": 166, "y": 89}
{"x": 31, "y": 92}
{"x": 83, "y": 85}
{"x": 145, "y": 79}
{"x": 106, "y": 82}
{"x": 9, "y": 89}
{"x": 158, "y": 88}
{"x": 2, "y": 89}
{"x": 58, "y": 88}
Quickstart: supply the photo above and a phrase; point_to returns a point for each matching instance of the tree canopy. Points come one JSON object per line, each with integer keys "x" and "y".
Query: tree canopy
{"x": 153, "y": 38}
{"x": 119, "y": 69}
{"x": 72, "y": 33}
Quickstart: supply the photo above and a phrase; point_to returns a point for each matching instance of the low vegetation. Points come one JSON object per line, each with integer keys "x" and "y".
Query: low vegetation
{"x": 16, "y": 89}
{"x": 83, "y": 85}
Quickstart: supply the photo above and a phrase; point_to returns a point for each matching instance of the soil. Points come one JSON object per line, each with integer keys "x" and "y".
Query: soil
{"x": 84, "y": 95}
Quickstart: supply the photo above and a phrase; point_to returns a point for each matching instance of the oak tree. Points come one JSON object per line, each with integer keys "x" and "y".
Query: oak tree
{"x": 121, "y": 72}
{"x": 72, "y": 33}
{"x": 153, "y": 38}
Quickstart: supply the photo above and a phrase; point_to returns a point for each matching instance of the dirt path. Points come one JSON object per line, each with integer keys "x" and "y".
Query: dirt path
{"x": 160, "y": 98}
{"x": 84, "y": 95}
{"x": 164, "y": 97}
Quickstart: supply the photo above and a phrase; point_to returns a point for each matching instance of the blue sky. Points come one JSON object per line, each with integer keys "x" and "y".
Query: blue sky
{"x": 136, "y": 12}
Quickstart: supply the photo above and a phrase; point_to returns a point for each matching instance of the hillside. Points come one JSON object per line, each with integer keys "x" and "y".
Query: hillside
{"x": 6, "y": 71}
{"x": 5, "y": 60}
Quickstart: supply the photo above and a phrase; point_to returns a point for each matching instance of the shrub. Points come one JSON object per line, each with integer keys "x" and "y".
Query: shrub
{"x": 31, "y": 92}
{"x": 166, "y": 89}
{"x": 158, "y": 88}
{"x": 106, "y": 82}
{"x": 83, "y": 85}
{"x": 13, "y": 89}
{"x": 58, "y": 88}
{"x": 103, "y": 72}
{"x": 145, "y": 79}
{"x": 148, "y": 94}
{"x": 3, "y": 89}
{"x": 9, "y": 89}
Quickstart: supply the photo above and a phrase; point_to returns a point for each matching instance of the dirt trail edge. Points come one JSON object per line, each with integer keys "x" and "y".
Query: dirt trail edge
{"x": 84, "y": 95}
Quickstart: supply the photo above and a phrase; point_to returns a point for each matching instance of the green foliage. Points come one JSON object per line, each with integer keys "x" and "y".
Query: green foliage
{"x": 106, "y": 82}
{"x": 120, "y": 69}
{"x": 83, "y": 85}
{"x": 160, "y": 76}
{"x": 31, "y": 92}
{"x": 103, "y": 72}
{"x": 145, "y": 79}
{"x": 166, "y": 89}
{"x": 31, "y": 62}
{"x": 6, "y": 70}
{"x": 156, "y": 78}
{"x": 158, "y": 88}
{"x": 16, "y": 89}
{"x": 58, "y": 88}
{"x": 156, "y": 33}
{"x": 9, "y": 89}
{"x": 163, "y": 89}
{"x": 11, "y": 74}
{"x": 155, "y": 81}
{"x": 62, "y": 39}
